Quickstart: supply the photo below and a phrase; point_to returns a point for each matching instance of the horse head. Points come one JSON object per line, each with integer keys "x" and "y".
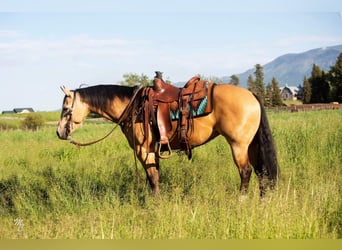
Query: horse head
{"x": 73, "y": 114}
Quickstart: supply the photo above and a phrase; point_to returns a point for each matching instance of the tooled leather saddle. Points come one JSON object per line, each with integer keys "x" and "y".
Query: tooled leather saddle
{"x": 165, "y": 103}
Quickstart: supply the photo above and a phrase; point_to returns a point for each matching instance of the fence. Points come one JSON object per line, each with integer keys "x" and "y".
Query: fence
{"x": 306, "y": 107}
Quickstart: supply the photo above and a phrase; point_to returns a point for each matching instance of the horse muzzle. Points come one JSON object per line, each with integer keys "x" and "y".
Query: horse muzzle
{"x": 63, "y": 133}
{"x": 63, "y": 136}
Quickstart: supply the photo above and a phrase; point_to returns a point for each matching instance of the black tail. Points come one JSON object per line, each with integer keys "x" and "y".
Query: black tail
{"x": 266, "y": 167}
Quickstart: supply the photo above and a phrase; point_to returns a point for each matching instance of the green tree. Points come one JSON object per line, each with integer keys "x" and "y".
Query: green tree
{"x": 275, "y": 96}
{"x": 335, "y": 78}
{"x": 326, "y": 88}
{"x": 306, "y": 91}
{"x": 234, "y": 80}
{"x": 133, "y": 79}
{"x": 259, "y": 81}
{"x": 144, "y": 80}
{"x": 320, "y": 88}
{"x": 272, "y": 95}
{"x": 251, "y": 84}
{"x": 257, "y": 86}
{"x": 214, "y": 79}
{"x": 268, "y": 95}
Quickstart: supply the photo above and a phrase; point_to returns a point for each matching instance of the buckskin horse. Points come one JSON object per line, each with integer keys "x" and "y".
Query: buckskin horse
{"x": 237, "y": 114}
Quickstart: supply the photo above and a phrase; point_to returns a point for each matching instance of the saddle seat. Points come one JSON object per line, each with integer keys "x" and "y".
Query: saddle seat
{"x": 185, "y": 103}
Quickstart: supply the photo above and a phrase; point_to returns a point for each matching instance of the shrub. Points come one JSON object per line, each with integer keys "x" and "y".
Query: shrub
{"x": 33, "y": 121}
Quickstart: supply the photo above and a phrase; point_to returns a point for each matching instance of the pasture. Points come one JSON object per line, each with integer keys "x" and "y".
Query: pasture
{"x": 49, "y": 189}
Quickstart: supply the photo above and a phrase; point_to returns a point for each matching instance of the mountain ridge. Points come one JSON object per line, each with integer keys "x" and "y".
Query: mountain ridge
{"x": 291, "y": 68}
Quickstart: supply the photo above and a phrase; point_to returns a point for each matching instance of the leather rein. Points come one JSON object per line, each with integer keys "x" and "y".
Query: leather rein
{"x": 122, "y": 118}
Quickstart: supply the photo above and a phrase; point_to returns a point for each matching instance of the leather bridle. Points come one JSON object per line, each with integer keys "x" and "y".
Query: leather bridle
{"x": 69, "y": 112}
{"x": 122, "y": 118}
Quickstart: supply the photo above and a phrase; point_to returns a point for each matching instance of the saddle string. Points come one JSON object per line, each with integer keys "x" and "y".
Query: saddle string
{"x": 137, "y": 176}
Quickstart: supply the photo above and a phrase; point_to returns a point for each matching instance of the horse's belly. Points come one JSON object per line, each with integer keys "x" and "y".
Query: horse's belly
{"x": 201, "y": 131}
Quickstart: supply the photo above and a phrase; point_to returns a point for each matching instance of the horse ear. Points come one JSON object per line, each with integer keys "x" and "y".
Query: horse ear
{"x": 66, "y": 91}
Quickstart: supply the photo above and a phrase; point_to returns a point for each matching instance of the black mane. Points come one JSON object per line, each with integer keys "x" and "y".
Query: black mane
{"x": 100, "y": 96}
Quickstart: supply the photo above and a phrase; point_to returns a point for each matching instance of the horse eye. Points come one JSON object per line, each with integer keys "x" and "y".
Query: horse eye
{"x": 66, "y": 112}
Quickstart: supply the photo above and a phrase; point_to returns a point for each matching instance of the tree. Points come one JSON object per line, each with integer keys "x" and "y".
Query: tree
{"x": 275, "y": 97}
{"x": 234, "y": 80}
{"x": 300, "y": 92}
{"x": 326, "y": 88}
{"x": 144, "y": 80}
{"x": 214, "y": 79}
{"x": 133, "y": 79}
{"x": 315, "y": 83}
{"x": 272, "y": 95}
{"x": 257, "y": 86}
{"x": 335, "y": 78}
{"x": 306, "y": 91}
{"x": 320, "y": 88}
{"x": 251, "y": 84}
{"x": 268, "y": 95}
{"x": 259, "y": 81}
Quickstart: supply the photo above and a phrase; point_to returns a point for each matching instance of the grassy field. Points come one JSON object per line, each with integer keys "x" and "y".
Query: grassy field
{"x": 51, "y": 189}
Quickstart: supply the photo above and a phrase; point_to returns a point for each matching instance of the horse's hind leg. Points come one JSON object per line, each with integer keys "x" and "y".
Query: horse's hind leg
{"x": 240, "y": 155}
{"x": 253, "y": 158}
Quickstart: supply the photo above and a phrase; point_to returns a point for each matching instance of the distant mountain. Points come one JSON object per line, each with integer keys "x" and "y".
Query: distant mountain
{"x": 291, "y": 68}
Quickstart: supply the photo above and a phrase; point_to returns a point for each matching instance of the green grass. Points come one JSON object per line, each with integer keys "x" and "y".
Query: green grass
{"x": 292, "y": 102}
{"x": 48, "y": 116}
{"x": 51, "y": 189}
{"x": 15, "y": 121}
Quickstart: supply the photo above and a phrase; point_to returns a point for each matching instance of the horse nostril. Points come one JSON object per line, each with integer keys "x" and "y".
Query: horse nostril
{"x": 57, "y": 133}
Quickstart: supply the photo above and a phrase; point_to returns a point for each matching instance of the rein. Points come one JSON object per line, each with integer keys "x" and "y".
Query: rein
{"x": 79, "y": 144}
{"x": 122, "y": 118}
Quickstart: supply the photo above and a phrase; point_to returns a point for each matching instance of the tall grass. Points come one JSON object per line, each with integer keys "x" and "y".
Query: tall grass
{"x": 51, "y": 189}
{"x": 23, "y": 121}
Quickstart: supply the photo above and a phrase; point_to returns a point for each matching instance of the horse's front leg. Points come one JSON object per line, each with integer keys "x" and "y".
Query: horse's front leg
{"x": 151, "y": 166}
{"x": 152, "y": 172}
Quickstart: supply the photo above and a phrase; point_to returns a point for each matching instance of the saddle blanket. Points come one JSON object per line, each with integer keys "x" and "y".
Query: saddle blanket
{"x": 196, "y": 108}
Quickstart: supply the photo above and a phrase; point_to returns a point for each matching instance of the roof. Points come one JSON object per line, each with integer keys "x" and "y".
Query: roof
{"x": 7, "y": 112}
{"x": 292, "y": 89}
{"x": 21, "y": 110}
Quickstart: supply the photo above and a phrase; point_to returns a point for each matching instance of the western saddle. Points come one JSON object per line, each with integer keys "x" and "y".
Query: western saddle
{"x": 165, "y": 103}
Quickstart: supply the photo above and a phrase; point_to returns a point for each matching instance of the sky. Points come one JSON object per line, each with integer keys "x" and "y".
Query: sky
{"x": 46, "y": 44}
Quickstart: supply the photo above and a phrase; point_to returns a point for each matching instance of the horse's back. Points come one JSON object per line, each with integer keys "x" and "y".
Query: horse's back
{"x": 234, "y": 96}
{"x": 235, "y": 115}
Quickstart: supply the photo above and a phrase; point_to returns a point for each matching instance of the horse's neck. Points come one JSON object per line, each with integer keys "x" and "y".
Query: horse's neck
{"x": 113, "y": 110}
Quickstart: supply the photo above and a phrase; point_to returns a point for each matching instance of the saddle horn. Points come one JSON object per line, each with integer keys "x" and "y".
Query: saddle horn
{"x": 159, "y": 75}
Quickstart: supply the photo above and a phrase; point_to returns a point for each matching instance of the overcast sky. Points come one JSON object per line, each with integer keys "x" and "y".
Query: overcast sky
{"x": 45, "y": 44}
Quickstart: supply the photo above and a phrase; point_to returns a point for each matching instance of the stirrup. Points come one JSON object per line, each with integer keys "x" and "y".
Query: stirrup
{"x": 168, "y": 152}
